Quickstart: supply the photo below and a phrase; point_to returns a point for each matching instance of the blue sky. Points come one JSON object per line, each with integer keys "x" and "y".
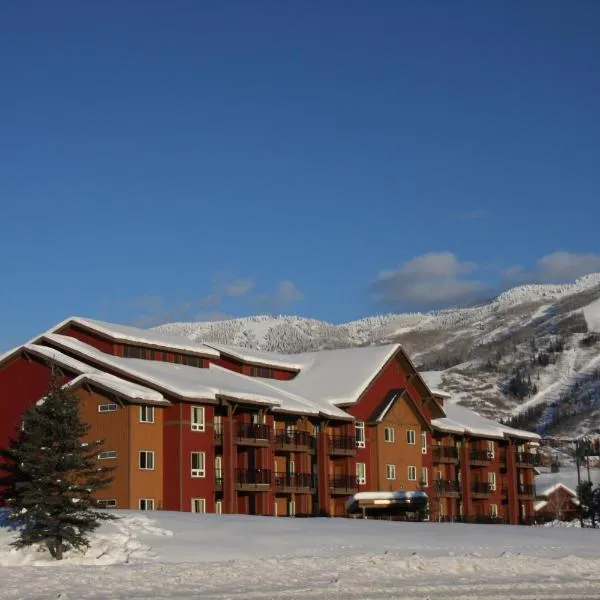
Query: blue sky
{"x": 167, "y": 161}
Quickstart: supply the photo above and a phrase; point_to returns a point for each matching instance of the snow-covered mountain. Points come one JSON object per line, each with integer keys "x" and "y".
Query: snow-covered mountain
{"x": 532, "y": 353}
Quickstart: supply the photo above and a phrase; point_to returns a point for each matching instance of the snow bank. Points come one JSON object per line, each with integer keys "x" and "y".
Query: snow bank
{"x": 182, "y": 555}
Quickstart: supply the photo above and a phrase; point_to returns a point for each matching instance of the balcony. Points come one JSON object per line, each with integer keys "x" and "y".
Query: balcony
{"x": 526, "y": 490}
{"x": 481, "y": 489}
{"x": 480, "y": 458}
{"x": 219, "y": 482}
{"x": 342, "y": 445}
{"x": 253, "y": 434}
{"x": 252, "y": 480}
{"x": 343, "y": 484}
{"x": 446, "y": 488}
{"x": 294, "y": 441}
{"x": 445, "y": 454}
{"x": 218, "y": 436}
{"x": 526, "y": 459}
{"x": 294, "y": 482}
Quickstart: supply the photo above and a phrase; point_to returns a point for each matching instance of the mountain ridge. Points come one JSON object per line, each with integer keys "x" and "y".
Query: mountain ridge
{"x": 532, "y": 350}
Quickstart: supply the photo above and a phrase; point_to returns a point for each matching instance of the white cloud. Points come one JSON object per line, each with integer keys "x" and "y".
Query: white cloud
{"x": 558, "y": 267}
{"x": 285, "y": 294}
{"x": 433, "y": 280}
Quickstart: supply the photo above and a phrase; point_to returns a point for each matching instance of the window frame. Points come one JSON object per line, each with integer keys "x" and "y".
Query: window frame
{"x": 146, "y": 502}
{"x": 491, "y": 449}
{"x": 146, "y": 453}
{"x": 411, "y": 434}
{"x": 106, "y": 503}
{"x": 200, "y": 471}
{"x": 361, "y": 480}
{"x": 493, "y": 510}
{"x": 218, "y": 507}
{"x": 291, "y": 508}
{"x": 389, "y": 439}
{"x": 202, "y": 502}
{"x": 491, "y": 477}
{"x": 359, "y": 426}
{"x": 108, "y": 407}
{"x": 197, "y": 426}
{"x": 144, "y": 417}
{"x": 423, "y": 442}
{"x": 390, "y": 472}
{"x": 412, "y": 469}
{"x": 104, "y": 455}
{"x": 425, "y": 476}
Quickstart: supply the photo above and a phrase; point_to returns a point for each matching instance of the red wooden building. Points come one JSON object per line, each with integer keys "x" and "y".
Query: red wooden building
{"x": 213, "y": 428}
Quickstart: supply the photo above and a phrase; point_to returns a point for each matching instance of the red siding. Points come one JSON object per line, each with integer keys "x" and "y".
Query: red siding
{"x": 171, "y": 472}
{"x": 88, "y": 337}
{"x": 227, "y": 363}
{"x": 22, "y": 382}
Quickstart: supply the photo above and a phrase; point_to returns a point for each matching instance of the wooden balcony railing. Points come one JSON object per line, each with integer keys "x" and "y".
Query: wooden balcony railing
{"x": 480, "y": 457}
{"x": 253, "y": 433}
{"x": 293, "y": 481}
{"x": 526, "y": 459}
{"x": 342, "y": 444}
{"x": 526, "y": 490}
{"x": 445, "y": 454}
{"x": 343, "y": 484}
{"x": 294, "y": 440}
{"x": 446, "y": 487}
{"x": 481, "y": 489}
{"x": 252, "y": 479}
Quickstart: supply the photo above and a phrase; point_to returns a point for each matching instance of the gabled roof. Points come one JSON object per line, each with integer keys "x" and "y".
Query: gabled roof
{"x": 126, "y": 333}
{"x": 337, "y": 377}
{"x": 380, "y": 412}
{"x": 193, "y": 383}
{"x": 559, "y": 486}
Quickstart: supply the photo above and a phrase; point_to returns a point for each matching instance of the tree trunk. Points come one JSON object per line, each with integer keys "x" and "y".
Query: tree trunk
{"x": 58, "y": 548}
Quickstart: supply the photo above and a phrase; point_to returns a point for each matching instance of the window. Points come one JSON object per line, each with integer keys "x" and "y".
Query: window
{"x": 198, "y": 505}
{"x": 412, "y": 473}
{"x": 219, "y": 507}
{"x": 198, "y": 464}
{"x": 218, "y": 467}
{"x": 423, "y": 442}
{"x": 359, "y": 430}
{"x": 192, "y": 361}
{"x": 291, "y": 467}
{"x": 411, "y": 437}
{"x": 424, "y": 476}
{"x": 107, "y": 454}
{"x": 291, "y": 508}
{"x": 389, "y": 434}
{"x": 112, "y": 503}
{"x": 147, "y": 460}
{"x": 218, "y": 423}
{"x": 390, "y": 471}
{"x": 146, "y": 503}
{"x": 361, "y": 473}
{"x": 494, "y": 511}
{"x": 261, "y": 372}
{"x": 197, "y": 418}
{"x": 107, "y": 407}
{"x": 490, "y": 449}
{"x": 492, "y": 481}
{"x": 146, "y": 414}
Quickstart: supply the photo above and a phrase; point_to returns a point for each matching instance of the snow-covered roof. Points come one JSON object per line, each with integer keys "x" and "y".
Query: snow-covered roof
{"x": 249, "y": 355}
{"x": 194, "y": 383}
{"x": 463, "y": 420}
{"x": 337, "y": 377}
{"x": 433, "y": 380}
{"x": 126, "y": 389}
{"x": 126, "y": 333}
{"x": 558, "y": 486}
{"x": 132, "y": 391}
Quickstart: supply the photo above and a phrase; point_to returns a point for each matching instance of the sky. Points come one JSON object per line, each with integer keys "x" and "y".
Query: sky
{"x": 191, "y": 160}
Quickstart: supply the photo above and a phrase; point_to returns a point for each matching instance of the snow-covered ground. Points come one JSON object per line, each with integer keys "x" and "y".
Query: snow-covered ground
{"x": 177, "y": 555}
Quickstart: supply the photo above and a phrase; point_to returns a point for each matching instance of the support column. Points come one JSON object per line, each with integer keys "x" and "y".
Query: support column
{"x": 323, "y": 469}
{"x": 512, "y": 481}
{"x": 229, "y": 464}
{"x": 465, "y": 469}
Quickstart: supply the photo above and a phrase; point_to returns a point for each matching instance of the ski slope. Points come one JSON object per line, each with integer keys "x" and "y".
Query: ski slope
{"x": 180, "y": 555}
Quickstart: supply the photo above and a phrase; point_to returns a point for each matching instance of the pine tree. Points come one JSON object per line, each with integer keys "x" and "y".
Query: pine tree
{"x": 51, "y": 475}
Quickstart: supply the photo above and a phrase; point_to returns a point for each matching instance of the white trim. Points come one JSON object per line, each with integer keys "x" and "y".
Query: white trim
{"x": 197, "y": 424}
{"x": 360, "y": 426}
{"x": 389, "y": 435}
{"x": 148, "y": 503}
{"x": 107, "y": 454}
{"x": 104, "y": 408}
{"x": 145, "y": 408}
{"x": 218, "y": 507}
{"x": 147, "y": 453}
{"x": 199, "y": 471}
{"x": 390, "y": 472}
{"x": 361, "y": 479}
{"x": 411, "y": 437}
{"x": 412, "y": 469}
{"x": 202, "y": 504}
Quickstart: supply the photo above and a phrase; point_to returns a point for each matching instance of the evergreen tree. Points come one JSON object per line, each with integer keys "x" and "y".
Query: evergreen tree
{"x": 51, "y": 474}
